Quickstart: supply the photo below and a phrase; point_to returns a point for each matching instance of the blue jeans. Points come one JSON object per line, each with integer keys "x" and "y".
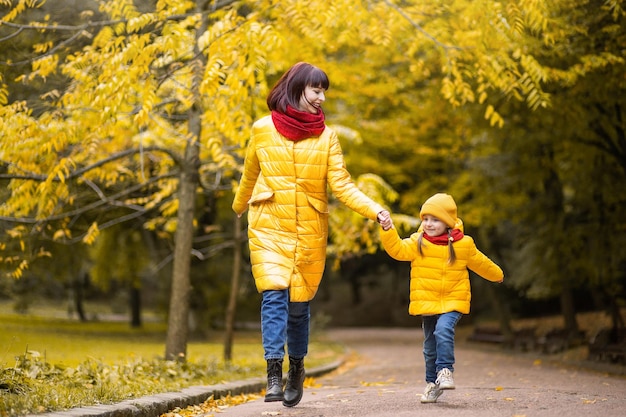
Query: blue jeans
{"x": 439, "y": 342}
{"x": 284, "y": 322}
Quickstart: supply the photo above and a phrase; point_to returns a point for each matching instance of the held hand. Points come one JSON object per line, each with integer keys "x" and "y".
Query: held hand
{"x": 384, "y": 218}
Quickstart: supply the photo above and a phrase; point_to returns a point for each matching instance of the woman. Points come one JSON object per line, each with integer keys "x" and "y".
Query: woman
{"x": 291, "y": 159}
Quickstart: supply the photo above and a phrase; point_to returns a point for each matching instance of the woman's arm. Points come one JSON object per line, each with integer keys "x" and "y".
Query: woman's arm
{"x": 343, "y": 187}
{"x": 251, "y": 170}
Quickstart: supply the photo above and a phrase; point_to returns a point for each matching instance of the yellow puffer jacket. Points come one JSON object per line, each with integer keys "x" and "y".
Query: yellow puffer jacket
{"x": 284, "y": 185}
{"x": 437, "y": 287}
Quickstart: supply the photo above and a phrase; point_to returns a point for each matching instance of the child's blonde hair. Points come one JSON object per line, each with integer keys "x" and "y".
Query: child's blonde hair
{"x": 452, "y": 253}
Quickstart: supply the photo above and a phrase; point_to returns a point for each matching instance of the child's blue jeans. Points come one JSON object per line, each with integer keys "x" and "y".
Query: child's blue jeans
{"x": 439, "y": 342}
{"x": 284, "y": 322}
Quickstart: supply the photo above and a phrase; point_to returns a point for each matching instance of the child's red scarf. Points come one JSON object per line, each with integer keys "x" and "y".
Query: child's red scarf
{"x": 297, "y": 125}
{"x": 455, "y": 234}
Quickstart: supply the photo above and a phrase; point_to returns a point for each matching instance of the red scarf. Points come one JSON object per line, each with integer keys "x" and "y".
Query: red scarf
{"x": 443, "y": 239}
{"x": 296, "y": 125}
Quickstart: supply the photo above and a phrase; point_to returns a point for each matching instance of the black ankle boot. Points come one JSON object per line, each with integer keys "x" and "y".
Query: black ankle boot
{"x": 274, "y": 390}
{"x": 295, "y": 382}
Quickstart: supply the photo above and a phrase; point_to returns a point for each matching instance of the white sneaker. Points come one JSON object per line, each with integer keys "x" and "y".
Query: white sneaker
{"x": 431, "y": 393}
{"x": 444, "y": 379}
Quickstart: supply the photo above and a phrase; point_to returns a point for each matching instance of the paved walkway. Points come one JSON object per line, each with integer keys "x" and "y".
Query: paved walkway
{"x": 385, "y": 378}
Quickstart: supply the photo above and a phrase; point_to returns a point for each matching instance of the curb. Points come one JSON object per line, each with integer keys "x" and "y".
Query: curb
{"x": 155, "y": 405}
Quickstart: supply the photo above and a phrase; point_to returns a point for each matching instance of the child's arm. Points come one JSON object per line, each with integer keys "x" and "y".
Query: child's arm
{"x": 483, "y": 266}
{"x": 398, "y": 249}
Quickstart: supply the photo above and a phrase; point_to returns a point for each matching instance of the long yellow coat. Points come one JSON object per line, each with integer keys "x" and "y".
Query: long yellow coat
{"x": 284, "y": 185}
{"x": 437, "y": 287}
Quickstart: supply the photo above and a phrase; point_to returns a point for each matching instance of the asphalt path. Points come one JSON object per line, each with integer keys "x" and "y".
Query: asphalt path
{"x": 384, "y": 376}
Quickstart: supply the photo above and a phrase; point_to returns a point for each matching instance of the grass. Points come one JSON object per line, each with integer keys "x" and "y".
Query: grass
{"x": 49, "y": 363}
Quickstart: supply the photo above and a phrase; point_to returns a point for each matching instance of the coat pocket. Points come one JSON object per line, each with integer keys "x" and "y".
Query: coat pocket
{"x": 320, "y": 206}
{"x": 261, "y": 192}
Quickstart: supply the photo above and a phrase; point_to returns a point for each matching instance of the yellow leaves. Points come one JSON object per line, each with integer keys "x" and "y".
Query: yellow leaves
{"x": 214, "y": 76}
{"x": 15, "y": 9}
{"x": 103, "y": 37}
{"x": 137, "y": 23}
{"x": 16, "y": 232}
{"x": 536, "y": 12}
{"x": 373, "y": 384}
{"x": 616, "y": 8}
{"x": 150, "y": 99}
{"x": 119, "y": 8}
{"x": 92, "y": 233}
{"x": 456, "y": 90}
{"x": 62, "y": 234}
{"x": 169, "y": 208}
{"x": 170, "y": 226}
{"x": 18, "y": 272}
{"x": 40, "y": 48}
{"x": 17, "y": 263}
{"x": 62, "y": 170}
{"x": 493, "y": 116}
{"x": 214, "y": 405}
{"x": 310, "y": 382}
{"x": 169, "y": 7}
{"x": 515, "y": 18}
{"x": 4, "y": 93}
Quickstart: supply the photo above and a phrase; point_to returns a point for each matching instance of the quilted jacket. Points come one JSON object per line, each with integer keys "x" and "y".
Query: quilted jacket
{"x": 284, "y": 185}
{"x": 435, "y": 286}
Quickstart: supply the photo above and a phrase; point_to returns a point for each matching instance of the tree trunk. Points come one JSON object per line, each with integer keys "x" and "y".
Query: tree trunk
{"x": 135, "y": 307}
{"x": 499, "y": 307}
{"x": 178, "y": 320}
{"x": 569, "y": 311}
{"x": 178, "y": 326}
{"x": 79, "y": 295}
{"x": 501, "y": 310}
{"x": 231, "y": 309}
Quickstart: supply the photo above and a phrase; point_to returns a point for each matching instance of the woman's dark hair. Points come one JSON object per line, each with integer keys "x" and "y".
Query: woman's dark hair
{"x": 291, "y": 85}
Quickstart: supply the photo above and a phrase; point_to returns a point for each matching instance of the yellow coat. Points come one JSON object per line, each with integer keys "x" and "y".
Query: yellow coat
{"x": 284, "y": 185}
{"x": 437, "y": 287}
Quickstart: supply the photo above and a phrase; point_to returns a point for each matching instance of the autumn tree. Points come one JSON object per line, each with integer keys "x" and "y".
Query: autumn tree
{"x": 155, "y": 103}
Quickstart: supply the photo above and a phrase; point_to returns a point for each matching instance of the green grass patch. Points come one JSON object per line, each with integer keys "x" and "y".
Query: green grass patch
{"x": 50, "y": 364}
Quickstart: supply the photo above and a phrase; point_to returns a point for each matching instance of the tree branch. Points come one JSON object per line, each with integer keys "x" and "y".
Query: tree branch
{"x": 82, "y": 210}
{"x": 420, "y": 28}
{"x": 119, "y": 155}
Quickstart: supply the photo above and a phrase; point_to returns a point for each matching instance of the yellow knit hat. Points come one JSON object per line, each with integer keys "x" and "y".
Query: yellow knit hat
{"x": 441, "y": 206}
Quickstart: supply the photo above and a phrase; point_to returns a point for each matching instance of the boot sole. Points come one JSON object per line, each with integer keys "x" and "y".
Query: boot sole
{"x": 273, "y": 398}
{"x": 292, "y": 403}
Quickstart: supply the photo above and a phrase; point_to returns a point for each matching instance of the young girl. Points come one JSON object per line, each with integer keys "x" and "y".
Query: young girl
{"x": 440, "y": 256}
{"x": 291, "y": 160}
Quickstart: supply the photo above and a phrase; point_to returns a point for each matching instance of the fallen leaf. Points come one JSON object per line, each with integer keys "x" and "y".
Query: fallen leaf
{"x": 372, "y": 384}
{"x": 310, "y": 382}
{"x": 499, "y": 388}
